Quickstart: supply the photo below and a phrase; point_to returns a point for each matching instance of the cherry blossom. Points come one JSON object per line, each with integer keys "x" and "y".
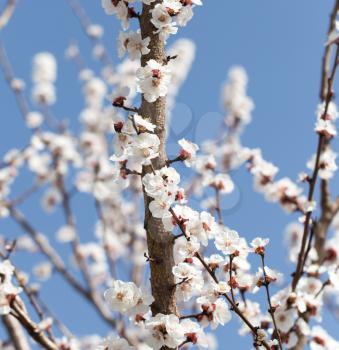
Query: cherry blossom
{"x": 189, "y": 280}
{"x": 195, "y": 334}
{"x": 115, "y": 343}
{"x": 156, "y": 222}
{"x": 188, "y": 151}
{"x": 222, "y": 182}
{"x": 7, "y": 289}
{"x": 162, "y": 20}
{"x": 327, "y": 164}
{"x": 133, "y": 44}
{"x": 122, "y": 296}
{"x": 153, "y": 80}
{"x": 65, "y": 234}
{"x": 214, "y": 313}
{"x": 285, "y": 319}
{"x": 228, "y": 241}
{"x": 238, "y": 105}
{"x": 34, "y": 119}
{"x": 259, "y": 244}
{"x": 165, "y": 330}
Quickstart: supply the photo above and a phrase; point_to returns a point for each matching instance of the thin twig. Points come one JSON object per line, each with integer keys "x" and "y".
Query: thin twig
{"x": 309, "y": 244}
{"x": 7, "y": 13}
{"x": 271, "y": 309}
{"x": 10, "y": 77}
{"x": 105, "y": 241}
{"x": 230, "y": 273}
{"x": 218, "y": 206}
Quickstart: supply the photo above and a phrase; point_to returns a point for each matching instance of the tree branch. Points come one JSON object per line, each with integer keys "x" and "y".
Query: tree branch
{"x": 7, "y": 13}
{"x": 15, "y": 332}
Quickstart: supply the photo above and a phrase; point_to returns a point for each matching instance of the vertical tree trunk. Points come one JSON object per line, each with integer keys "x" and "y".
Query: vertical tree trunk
{"x": 160, "y": 242}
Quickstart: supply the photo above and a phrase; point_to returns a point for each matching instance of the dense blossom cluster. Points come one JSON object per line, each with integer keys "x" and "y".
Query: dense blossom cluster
{"x": 217, "y": 271}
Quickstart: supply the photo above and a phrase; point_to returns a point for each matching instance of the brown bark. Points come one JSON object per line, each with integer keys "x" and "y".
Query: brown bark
{"x": 159, "y": 242}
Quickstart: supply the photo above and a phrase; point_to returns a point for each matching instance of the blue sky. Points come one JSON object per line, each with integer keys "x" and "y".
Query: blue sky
{"x": 279, "y": 43}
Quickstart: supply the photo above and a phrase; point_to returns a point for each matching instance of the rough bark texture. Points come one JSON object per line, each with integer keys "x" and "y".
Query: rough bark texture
{"x": 160, "y": 242}
{"x": 15, "y": 333}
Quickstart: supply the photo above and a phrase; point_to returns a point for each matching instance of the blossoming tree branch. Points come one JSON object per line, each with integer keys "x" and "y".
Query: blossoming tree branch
{"x": 159, "y": 272}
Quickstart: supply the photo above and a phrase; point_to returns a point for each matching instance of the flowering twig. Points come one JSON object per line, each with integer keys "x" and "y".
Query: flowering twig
{"x": 271, "y": 309}
{"x": 325, "y": 198}
{"x": 32, "y": 299}
{"x": 327, "y": 54}
{"x": 314, "y": 177}
{"x": 234, "y": 306}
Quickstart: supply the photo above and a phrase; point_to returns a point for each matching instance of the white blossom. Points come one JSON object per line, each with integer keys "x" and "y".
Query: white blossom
{"x": 115, "y": 343}
{"x": 44, "y": 68}
{"x": 34, "y": 119}
{"x": 327, "y": 164}
{"x": 153, "y": 80}
{"x": 189, "y": 280}
{"x": 258, "y": 244}
{"x": 65, "y": 234}
{"x": 122, "y": 296}
{"x": 133, "y": 44}
{"x": 165, "y": 330}
{"x": 217, "y": 312}
{"x": 188, "y": 151}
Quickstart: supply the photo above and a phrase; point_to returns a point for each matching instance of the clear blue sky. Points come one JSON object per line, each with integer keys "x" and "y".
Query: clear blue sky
{"x": 280, "y": 43}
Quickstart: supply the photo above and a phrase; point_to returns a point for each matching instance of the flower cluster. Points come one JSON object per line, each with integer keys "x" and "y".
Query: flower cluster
{"x": 170, "y": 13}
{"x": 216, "y": 272}
{"x": 8, "y": 291}
{"x": 127, "y": 297}
{"x": 327, "y": 164}
{"x": 153, "y": 80}
{"x": 132, "y": 43}
{"x": 44, "y": 75}
{"x": 237, "y": 104}
{"x": 136, "y": 144}
{"x": 326, "y": 116}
